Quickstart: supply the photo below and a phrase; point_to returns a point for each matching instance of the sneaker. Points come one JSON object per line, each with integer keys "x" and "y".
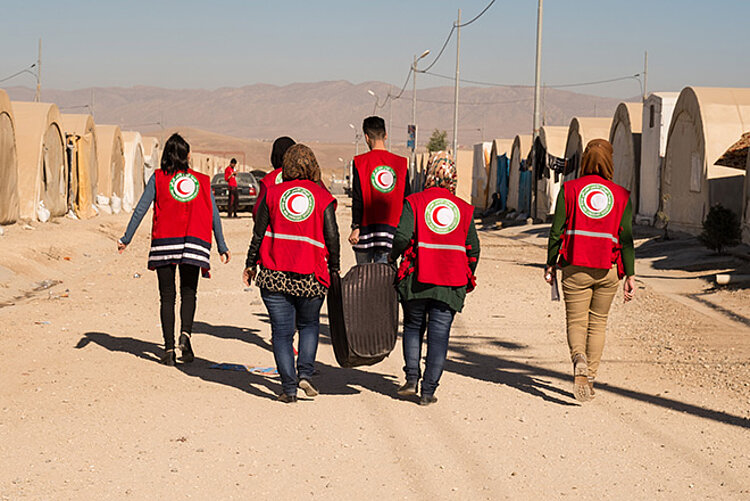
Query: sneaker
{"x": 427, "y": 400}
{"x": 408, "y": 389}
{"x": 306, "y": 386}
{"x": 287, "y": 399}
{"x": 186, "y": 348}
{"x": 591, "y": 388}
{"x": 581, "y": 389}
{"x": 168, "y": 358}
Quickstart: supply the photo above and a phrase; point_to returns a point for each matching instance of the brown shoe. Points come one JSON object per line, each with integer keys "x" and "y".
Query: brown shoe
{"x": 591, "y": 387}
{"x": 581, "y": 389}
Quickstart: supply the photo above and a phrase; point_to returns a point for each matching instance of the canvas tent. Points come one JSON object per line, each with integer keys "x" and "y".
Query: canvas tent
{"x": 132, "y": 147}
{"x": 705, "y": 122}
{"x": 464, "y": 169}
{"x": 480, "y": 175}
{"x": 497, "y": 181}
{"x": 655, "y": 121}
{"x": 42, "y": 173}
{"x": 111, "y": 162}
{"x": 9, "y": 208}
{"x": 580, "y": 132}
{"x": 83, "y": 167}
{"x": 151, "y": 157}
{"x": 746, "y": 216}
{"x": 519, "y": 179}
{"x": 625, "y": 136}
{"x": 549, "y": 152}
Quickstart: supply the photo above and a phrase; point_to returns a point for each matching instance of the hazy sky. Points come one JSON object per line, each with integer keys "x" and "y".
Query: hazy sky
{"x": 218, "y": 43}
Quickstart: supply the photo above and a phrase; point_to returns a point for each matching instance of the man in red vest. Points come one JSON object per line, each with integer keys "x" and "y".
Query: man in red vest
{"x": 230, "y": 176}
{"x": 379, "y": 187}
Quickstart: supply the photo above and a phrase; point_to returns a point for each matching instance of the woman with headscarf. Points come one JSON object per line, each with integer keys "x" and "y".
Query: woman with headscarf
{"x": 440, "y": 247}
{"x": 296, "y": 243}
{"x": 591, "y": 239}
{"x": 274, "y": 177}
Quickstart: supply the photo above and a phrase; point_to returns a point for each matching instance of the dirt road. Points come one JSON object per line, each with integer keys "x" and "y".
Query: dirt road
{"x": 86, "y": 412}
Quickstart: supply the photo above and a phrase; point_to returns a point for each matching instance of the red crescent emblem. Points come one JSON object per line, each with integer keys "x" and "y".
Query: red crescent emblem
{"x": 589, "y": 201}
{"x": 290, "y": 203}
{"x": 381, "y": 182}
{"x": 179, "y": 188}
{"x": 436, "y": 213}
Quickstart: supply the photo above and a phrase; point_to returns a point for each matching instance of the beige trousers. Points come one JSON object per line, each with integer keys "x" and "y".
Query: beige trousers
{"x": 588, "y": 296}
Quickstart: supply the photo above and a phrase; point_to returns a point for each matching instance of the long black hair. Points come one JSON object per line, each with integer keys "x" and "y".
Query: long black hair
{"x": 174, "y": 157}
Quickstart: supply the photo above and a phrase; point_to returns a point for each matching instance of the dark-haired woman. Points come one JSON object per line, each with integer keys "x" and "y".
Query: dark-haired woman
{"x": 274, "y": 177}
{"x": 591, "y": 239}
{"x": 185, "y": 213}
{"x": 296, "y": 242}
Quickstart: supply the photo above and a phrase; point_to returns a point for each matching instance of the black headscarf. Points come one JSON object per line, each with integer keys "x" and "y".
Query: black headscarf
{"x": 279, "y": 148}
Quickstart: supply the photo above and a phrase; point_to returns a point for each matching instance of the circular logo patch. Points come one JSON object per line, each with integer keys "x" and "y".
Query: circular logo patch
{"x": 596, "y": 201}
{"x": 279, "y": 178}
{"x": 383, "y": 179}
{"x": 184, "y": 187}
{"x": 442, "y": 216}
{"x": 297, "y": 204}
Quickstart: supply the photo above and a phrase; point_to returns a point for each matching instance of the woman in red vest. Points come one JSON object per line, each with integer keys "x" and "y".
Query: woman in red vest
{"x": 437, "y": 237}
{"x": 185, "y": 213}
{"x": 591, "y": 239}
{"x": 296, "y": 243}
{"x": 274, "y": 177}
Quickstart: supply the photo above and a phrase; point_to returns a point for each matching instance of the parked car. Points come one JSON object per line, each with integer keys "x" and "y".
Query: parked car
{"x": 247, "y": 187}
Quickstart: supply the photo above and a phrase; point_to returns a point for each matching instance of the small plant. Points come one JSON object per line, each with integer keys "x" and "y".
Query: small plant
{"x": 721, "y": 229}
{"x": 438, "y": 141}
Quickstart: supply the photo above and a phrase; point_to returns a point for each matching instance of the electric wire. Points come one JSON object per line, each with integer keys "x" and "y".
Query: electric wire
{"x": 467, "y": 23}
{"x": 555, "y": 86}
{"x": 14, "y": 75}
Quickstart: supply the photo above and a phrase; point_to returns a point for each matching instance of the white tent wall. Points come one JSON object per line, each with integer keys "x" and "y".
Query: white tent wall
{"x": 42, "y": 170}
{"x": 132, "y": 149}
{"x": 551, "y": 141}
{"x": 580, "y": 132}
{"x": 500, "y": 147}
{"x": 83, "y": 125}
{"x": 705, "y": 123}
{"x": 655, "y": 121}
{"x": 480, "y": 175}
{"x": 9, "y": 207}
{"x": 464, "y": 173}
{"x": 111, "y": 161}
{"x": 518, "y": 152}
{"x": 151, "y": 157}
{"x": 625, "y": 136}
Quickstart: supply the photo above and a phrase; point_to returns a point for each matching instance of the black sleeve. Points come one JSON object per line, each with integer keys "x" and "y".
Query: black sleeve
{"x": 331, "y": 237}
{"x": 262, "y": 219}
{"x": 357, "y": 205}
{"x": 407, "y": 185}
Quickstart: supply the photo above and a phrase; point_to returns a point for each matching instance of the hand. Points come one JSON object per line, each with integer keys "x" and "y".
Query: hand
{"x": 549, "y": 274}
{"x": 226, "y": 257}
{"x": 354, "y": 237}
{"x": 247, "y": 276}
{"x": 628, "y": 288}
{"x": 121, "y": 247}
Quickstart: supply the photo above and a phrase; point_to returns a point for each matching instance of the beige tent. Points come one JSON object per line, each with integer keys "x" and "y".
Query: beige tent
{"x": 111, "y": 161}
{"x": 480, "y": 175}
{"x": 8, "y": 163}
{"x": 518, "y": 152}
{"x": 82, "y": 130}
{"x": 580, "y": 132}
{"x": 132, "y": 148}
{"x": 655, "y": 121}
{"x": 42, "y": 171}
{"x": 499, "y": 148}
{"x": 746, "y": 215}
{"x": 551, "y": 141}
{"x": 705, "y": 122}
{"x": 625, "y": 136}
{"x": 464, "y": 170}
{"x": 151, "y": 157}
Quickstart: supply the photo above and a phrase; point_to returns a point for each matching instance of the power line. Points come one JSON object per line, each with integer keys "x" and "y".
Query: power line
{"x": 556, "y": 86}
{"x": 14, "y": 75}
{"x": 478, "y": 103}
{"x": 445, "y": 44}
{"x": 467, "y": 23}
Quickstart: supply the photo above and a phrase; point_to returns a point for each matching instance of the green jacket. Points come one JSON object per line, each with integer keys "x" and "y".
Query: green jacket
{"x": 409, "y": 288}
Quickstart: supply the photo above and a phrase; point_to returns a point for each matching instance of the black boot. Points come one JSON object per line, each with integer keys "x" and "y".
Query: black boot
{"x": 168, "y": 358}
{"x": 186, "y": 348}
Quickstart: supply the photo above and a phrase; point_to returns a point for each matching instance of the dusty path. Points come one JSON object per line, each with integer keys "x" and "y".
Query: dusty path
{"x": 87, "y": 413}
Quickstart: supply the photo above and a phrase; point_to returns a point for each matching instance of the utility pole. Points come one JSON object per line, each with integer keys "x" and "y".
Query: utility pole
{"x": 538, "y": 78}
{"x": 645, "y": 76}
{"x": 455, "y": 90}
{"x": 92, "y": 102}
{"x": 414, "y": 103}
{"x": 390, "y": 117}
{"x": 38, "y": 95}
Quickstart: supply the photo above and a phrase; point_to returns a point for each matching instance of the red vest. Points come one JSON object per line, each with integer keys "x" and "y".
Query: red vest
{"x": 294, "y": 239}
{"x": 594, "y": 209}
{"x": 182, "y": 219}
{"x": 271, "y": 179}
{"x": 382, "y": 177}
{"x": 442, "y": 222}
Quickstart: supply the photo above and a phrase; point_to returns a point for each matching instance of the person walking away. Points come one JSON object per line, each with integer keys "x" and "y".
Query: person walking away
{"x": 280, "y": 145}
{"x": 184, "y": 215}
{"x": 379, "y": 187}
{"x": 296, "y": 243}
{"x": 230, "y": 176}
{"x": 440, "y": 247}
{"x": 591, "y": 239}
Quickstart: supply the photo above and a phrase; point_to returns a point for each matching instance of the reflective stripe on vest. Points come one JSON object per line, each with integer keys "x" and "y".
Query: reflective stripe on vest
{"x": 594, "y": 234}
{"x": 442, "y": 247}
{"x": 297, "y": 238}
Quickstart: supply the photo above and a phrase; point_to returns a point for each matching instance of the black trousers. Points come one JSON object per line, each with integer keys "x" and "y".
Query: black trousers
{"x": 233, "y": 202}
{"x": 189, "y": 275}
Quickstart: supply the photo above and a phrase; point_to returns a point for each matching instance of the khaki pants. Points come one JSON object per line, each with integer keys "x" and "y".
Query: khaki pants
{"x": 588, "y": 295}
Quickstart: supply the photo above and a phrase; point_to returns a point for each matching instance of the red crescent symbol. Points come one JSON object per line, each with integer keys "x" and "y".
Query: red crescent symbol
{"x": 380, "y": 179}
{"x": 435, "y": 215}
{"x": 179, "y": 188}
{"x": 290, "y": 203}
{"x": 588, "y": 200}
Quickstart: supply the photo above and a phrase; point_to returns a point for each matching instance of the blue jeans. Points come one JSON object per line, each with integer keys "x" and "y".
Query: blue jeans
{"x": 288, "y": 313}
{"x": 374, "y": 255}
{"x": 435, "y": 317}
